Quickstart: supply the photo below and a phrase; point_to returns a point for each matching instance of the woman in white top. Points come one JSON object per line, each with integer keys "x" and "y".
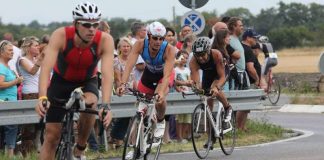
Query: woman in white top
{"x": 29, "y": 67}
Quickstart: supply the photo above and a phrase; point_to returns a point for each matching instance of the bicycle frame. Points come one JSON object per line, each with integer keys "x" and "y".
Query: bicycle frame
{"x": 145, "y": 110}
{"x": 215, "y": 123}
{"x": 140, "y": 134}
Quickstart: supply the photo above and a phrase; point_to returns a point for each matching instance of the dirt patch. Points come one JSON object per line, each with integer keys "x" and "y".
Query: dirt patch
{"x": 297, "y": 60}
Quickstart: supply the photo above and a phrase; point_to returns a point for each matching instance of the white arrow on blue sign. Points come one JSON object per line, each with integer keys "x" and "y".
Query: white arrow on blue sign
{"x": 195, "y": 20}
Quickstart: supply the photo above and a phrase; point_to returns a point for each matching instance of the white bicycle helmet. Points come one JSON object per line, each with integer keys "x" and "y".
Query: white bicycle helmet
{"x": 201, "y": 45}
{"x": 86, "y": 11}
{"x": 156, "y": 29}
{"x": 263, "y": 39}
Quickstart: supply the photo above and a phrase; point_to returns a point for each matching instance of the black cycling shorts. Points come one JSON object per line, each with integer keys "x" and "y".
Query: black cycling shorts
{"x": 60, "y": 89}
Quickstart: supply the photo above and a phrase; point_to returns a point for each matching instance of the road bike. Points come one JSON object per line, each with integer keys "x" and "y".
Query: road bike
{"x": 75, "y": 104}
{"x": 140, "y": 141}
{"x": 207, "y": 126}
{"x": 273, "y": 88}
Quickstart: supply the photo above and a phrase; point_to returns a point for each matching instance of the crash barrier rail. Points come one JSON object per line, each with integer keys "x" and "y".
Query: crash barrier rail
{"x": 23, "y": 112}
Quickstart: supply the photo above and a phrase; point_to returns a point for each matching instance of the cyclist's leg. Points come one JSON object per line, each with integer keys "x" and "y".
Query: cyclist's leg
{"x": 53, "y": 129}
{"x": 161, "y": 107}
{"x": 87, "y": 121}
{"x": 221, "y": 97}
{"x": 51, "y": 140}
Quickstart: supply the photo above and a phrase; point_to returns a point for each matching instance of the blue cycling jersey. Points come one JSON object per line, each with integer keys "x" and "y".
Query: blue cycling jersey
{"x": 154, "y": 64}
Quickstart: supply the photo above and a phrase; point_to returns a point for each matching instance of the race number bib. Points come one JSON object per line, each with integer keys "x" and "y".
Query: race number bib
{"x": 273, "y": 55}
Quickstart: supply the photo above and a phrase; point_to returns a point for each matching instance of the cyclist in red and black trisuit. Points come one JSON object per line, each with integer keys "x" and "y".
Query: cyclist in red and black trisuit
{"x": 72, "y": 54}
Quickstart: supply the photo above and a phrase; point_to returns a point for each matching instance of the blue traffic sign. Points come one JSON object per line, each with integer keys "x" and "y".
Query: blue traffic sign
{"x": 195, "y": 20}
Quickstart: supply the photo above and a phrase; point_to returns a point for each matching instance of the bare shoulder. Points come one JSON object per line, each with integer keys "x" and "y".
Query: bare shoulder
{"x": 217, "y": 55}
{"x": 106, "y": 38}
{"x": 57, "y": 38}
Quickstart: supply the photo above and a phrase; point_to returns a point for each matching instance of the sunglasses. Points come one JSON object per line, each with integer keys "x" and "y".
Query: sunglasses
{"x": 88, "y": 25}
{"x": 157, "y": 38}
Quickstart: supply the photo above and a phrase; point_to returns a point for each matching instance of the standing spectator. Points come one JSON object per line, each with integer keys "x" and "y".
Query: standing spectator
{"x": 185, "y": 30}
{"x": 182, "y": 81}
{"x": 119, "y": 126}
{"x": 29, "y": 67}
{"x": 170, "y": 36}
{"x": 170, "y": 125}
{"x": 221, "y": 40}
{"x": 234, "y": 55}
{"x": 187, "y": 44}
{"x": 139, "y": 32}
{"x": 104, "y": 26}
{"x": 16, "y": 50}
{"x": 235, "y": 26}
{"x": 8, "y": 91}
{"x": 253, "y": 68}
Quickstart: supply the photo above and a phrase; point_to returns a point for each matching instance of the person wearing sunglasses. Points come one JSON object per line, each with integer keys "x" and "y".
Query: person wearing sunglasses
{"x": 211, "y": 62}
{"x": 159, "y": 57}
{"x": 73, "y": 53}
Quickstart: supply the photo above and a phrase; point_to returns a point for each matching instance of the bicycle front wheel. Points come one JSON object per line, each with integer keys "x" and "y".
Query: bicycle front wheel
{"x": 154, "y": 146}
{"x": 227, "y": 137}
{"x": 132, "y": 141}
{"x": 274, "y": 91}
{"x": 201, "y": 132}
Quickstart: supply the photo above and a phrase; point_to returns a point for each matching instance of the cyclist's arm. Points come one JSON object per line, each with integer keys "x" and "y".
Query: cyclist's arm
{"x": 194, "y": 71}
{"x": 220, "y": 67}
{"x": 169, "y": 58}
{"x": 56, "y": 43}
{"x": 132, "y": 58}
{"x": 107, "y": 68}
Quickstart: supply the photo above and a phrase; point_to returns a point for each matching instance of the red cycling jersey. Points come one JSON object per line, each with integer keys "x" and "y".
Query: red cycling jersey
{"x": 77, "y": 64}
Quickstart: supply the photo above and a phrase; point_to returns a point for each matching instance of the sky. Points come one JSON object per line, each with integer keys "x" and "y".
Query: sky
{"x": 46, "y": 11}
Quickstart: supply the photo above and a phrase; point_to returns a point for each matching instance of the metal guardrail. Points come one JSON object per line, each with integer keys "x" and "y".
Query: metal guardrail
{"x": 22, "y": 112}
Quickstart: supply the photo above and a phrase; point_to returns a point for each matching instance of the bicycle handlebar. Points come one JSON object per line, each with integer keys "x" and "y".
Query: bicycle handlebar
{"x": 141, "y": 96}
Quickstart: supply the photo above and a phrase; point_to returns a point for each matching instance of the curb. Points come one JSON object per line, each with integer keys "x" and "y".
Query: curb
{"x": 299, "y": 108}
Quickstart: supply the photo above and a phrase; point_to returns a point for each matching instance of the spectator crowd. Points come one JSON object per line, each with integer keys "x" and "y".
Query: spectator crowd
{"x": 20, "y": 63}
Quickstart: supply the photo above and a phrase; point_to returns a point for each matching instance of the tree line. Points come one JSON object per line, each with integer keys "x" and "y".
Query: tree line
{"x": 286, "y": 25}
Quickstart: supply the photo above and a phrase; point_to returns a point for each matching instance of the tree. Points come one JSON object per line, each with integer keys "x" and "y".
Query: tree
{"x": 243, "y": 13}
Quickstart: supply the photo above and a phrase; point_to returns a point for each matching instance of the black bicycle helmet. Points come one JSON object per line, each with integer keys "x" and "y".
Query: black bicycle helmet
{"x": 201, "y": 45}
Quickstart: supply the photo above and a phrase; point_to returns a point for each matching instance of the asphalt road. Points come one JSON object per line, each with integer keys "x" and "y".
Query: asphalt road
{"x": 309, "y": 146}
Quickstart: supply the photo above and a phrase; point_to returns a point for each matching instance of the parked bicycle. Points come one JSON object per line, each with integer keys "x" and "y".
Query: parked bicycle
{"x": 74, "y": 105}
{"x": 140, "y": 141}
{"x": 207, "y": 126}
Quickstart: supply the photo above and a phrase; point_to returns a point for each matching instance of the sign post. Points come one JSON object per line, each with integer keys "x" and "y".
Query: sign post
{"x": 193, "y": 18}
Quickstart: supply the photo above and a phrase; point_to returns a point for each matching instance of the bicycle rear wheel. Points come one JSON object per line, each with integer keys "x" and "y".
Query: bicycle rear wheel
{"x": 201, "y": 132}
{"x": 132, "y": 142}
{"x": 227, "y": 137}
{"x": 274, "y": 91}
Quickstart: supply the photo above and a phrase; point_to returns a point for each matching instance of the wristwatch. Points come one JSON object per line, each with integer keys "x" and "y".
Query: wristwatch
{"x": 105, "y": 106}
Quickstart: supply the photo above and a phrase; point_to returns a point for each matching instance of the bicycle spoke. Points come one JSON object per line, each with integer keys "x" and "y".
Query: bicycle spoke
{"x": 201, "y": 132}
{"x": 227, "y": 138}
{"x": 274, "y": 91}
{"x": 132, "y": 142}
